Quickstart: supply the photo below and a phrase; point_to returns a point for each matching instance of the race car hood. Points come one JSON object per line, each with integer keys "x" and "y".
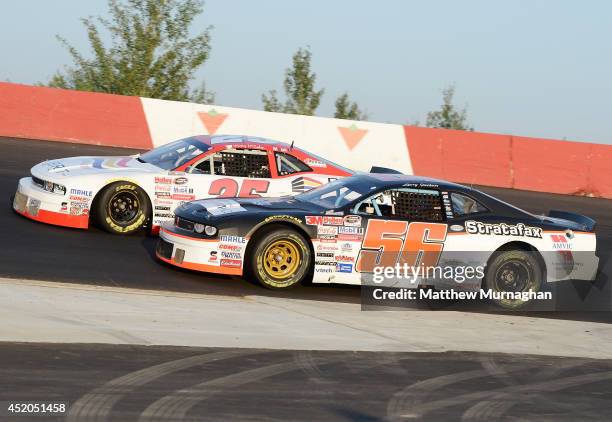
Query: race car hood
{"x": 212, "y": 208}
{"x": 81, "y": 166}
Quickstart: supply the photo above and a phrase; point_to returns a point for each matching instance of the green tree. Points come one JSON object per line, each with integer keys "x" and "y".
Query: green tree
{"x": 448, "y": 117}
{"x": 150, "y": 53}
{"x": 345, "y": 109}
{"x": 302, "y": 98}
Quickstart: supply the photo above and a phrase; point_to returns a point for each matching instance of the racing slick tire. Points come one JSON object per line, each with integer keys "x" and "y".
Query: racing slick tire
{"x": 513, "y": 271}
{"x": 122, "y": 208}
{"x": 280, "y": 259}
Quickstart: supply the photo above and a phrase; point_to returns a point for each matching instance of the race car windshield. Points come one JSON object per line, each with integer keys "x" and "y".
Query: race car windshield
{"x": 333, "y": 195}
{"x": 174, "y": 154}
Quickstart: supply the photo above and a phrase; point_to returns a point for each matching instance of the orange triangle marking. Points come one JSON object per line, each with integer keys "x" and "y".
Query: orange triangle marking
{"x": 352, "y": 135}
{"x": 212, "y": 120}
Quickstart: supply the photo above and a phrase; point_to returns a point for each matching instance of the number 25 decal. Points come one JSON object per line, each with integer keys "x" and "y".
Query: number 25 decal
{"x": 390, "y": 242}
{"x": 228, "y": 188}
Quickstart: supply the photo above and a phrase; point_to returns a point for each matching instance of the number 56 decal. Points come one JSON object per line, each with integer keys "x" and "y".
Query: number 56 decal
{"x": 228, "y": 188}
{"x": 389, "y": 242}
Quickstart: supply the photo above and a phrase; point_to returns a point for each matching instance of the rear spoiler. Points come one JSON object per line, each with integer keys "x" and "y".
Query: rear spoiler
{"x": 588, "y": 223}
{"x": 385, "y": 170}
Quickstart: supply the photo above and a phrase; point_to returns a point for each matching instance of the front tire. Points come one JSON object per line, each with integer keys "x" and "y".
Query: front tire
{"x": 280, "y": 259}
{"x": 513, "y": 271}
{"x": 123, "y": 208}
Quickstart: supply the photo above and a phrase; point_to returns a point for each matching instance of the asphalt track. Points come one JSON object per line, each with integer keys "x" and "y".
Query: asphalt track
{"x": 122, "y": 382}
{"x": 139, "y": 383}
{"x": 33, "y": 250}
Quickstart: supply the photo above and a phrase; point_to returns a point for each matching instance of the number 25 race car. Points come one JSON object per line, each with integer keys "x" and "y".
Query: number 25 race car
{"x": 391, "y": 229}
{"x": 125, "y": 194}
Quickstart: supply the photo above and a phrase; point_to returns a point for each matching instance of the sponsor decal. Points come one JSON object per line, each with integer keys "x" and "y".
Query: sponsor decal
{"x": 232, "y": 239}
{"x": 502, "y": 229}
{"x": 162, "y": 188}
{"x": 321, "y": 247}
{"x": 347, "y": 246}
{"x": 302, "y": 184}
{"x": 456, "y": 228}
{"x": 325, "y": 255}
{"x": 319, "y": 220}
{"x": 230, "y": 247}
{"x": 213, "y": 256}
{"x": 315, "y": 163}
{"x": 350, "y": 237}
{"x": 163, "y": 180}
{"x": 162, "y": 202}
{"x": 344, "y": 268}
{"x": 77, "y": 198}
{"x": 327, "y": 230}
{"x": 333, "y": 212}
{"x": 283, "y": 217}
{"x": 160, "y": 208}
{"x": 345, "y": 258}
{"x": 182, "y": 189}
{"x": 78, "y": 211}
{"x": 327, "y": 239}
{"x": 560, "y": 241}
{"x": 163, "y": 215}
{"x": 350, "y": 230}
{"x": 180, "y": 196}
{"x": 352, "y": 220}
{"x": 328, "y": 263}
{"x": 81, "y": 192}
{"x": 181, "y": 180}
{"x": 324, "y": 270}
{"x": 230, "y": 255}
{"x": 64, "y": 207}
{"x": 163, "y": 194}
{"x": 234, "y": 263}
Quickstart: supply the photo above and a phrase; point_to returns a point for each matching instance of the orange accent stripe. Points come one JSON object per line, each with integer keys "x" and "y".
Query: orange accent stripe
{"x": 203, "y": 267}
{"x": 59, "y": 219}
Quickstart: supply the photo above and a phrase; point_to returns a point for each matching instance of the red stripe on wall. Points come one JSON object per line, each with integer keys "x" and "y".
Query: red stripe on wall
{"x": 72, "y": 116}
{"x": 544, "y": 165}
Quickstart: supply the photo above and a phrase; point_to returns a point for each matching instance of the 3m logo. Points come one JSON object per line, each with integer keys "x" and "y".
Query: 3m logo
{"x": 352, "y": 135}
{"x": 212, "y": 120}
{"x": 390, "y": 242}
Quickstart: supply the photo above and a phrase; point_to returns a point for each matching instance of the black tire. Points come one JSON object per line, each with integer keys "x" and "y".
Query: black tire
{"x": 513, "y": 271}
{"x": 122, "y": 208}
{"x": 292, "y": 263}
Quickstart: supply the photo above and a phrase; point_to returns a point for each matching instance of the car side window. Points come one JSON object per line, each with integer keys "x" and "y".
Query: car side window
{"x": 288, "y": 164}
{"x": 464, "y": 205}
{"x": 405, "y": 203}
{"x": 237, "y": 163}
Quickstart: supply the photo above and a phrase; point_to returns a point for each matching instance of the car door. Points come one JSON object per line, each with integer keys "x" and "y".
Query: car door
{"x": 405, "y": 229}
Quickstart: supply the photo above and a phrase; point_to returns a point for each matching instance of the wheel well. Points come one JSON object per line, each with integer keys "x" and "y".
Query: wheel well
{"x": 523, "y": 246}
{"x": 265, "y": 228}
{"x": 94, "y": 202}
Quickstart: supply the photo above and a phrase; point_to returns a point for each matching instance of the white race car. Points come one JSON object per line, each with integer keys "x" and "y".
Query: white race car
{"x": 126, "y": 194}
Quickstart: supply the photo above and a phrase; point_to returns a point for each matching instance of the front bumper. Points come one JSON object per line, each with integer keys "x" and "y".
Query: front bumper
{"x": 207, "y": 255}
{"x": 37, "y": 204}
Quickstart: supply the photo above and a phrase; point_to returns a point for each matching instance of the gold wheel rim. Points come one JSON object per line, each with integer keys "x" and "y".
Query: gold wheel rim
{"x": 281, "y": 259}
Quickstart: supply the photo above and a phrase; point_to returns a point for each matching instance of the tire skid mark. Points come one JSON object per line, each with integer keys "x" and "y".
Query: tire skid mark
{"x": 175, "y": 406}
{"x": 495, "y": 407}
{"x": 403, "y": 401}
{"x": 97, "y": 405}
{"x": 540, "y": 387}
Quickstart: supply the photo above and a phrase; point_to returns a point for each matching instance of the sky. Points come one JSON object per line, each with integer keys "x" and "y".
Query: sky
{"x": 534, "y": 68}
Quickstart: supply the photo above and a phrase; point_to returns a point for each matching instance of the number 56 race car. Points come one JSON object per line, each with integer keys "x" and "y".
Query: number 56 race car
{"x": 125, "y": 194}
{"x": 387, "y": 229}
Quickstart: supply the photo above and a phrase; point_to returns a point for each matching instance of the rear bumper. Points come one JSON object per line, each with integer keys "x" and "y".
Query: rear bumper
{"x": 39, "y": 205}
{"x": 195, "y": 254}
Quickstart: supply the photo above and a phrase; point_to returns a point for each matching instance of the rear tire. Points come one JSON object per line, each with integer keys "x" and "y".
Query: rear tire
{"x": 122, "y": 208}
{"x": 513, "y": 271}
{"x": 280, "y": 259}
